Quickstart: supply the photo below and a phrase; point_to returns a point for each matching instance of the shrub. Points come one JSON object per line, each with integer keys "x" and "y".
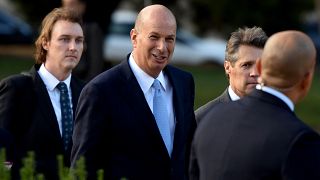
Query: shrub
{"x": 27, "y": 172}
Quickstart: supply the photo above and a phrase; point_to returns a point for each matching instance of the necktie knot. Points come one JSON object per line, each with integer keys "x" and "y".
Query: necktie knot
{"x": 62, "y": 87}
{"x": 156, "y": 84}
{"x": 157, "y": 87}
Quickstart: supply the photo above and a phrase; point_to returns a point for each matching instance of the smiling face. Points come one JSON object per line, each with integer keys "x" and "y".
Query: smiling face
{"x": 153, "y": 39}
{"x": 64, "y": 49}
{"x": 243, "y": 73}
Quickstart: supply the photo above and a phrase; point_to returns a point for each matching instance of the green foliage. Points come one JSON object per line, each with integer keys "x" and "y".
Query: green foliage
{"x": 80, "y": 170}
{"x": 64, "y": 172}
{"x": 27, "y": 172}
{"x": 223, "y": 16}
{"x": 4, "y": 170}
{"x": 100, "y": 174}
{"x": 227, "y": 15}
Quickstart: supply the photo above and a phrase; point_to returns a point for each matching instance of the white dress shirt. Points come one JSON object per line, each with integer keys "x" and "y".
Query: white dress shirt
{"x": 232, "y": 94}
{"x": 145, "y": 81}
{"x": 51, "y": 82}
{"x": 278, "y": 94}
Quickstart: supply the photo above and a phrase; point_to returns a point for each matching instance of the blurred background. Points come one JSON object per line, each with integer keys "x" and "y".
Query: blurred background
{"x": 203, "y": 28}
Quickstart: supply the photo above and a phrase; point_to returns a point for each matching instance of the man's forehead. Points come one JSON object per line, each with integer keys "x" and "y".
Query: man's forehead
{"x": 63, "y": 27}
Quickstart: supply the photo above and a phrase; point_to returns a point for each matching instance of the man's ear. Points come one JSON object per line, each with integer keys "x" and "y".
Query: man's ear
{"x": 133, "y": 37}
{"x": 307, "y": 81}
{"x": 44, "y": 44}
{"x": 258, "y": 66}
{"x": 227, "y": 67}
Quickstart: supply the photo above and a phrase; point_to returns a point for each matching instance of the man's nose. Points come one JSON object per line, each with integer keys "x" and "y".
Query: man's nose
{"x": 73, "y": 45}
{"x": 254, "y": 72}
{"x": 161, "y": 45}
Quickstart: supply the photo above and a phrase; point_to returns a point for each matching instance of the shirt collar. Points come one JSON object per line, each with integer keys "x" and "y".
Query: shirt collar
{"x": 232, "y": 94}
{"x": 50, "y": 80}
{"x": 145, "y": 80}
{"x": 278, "y": 94}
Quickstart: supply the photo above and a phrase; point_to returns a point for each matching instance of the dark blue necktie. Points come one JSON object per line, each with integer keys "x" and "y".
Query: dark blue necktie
{"x": 66, "y": 115}
{"x": 161, "y": 114}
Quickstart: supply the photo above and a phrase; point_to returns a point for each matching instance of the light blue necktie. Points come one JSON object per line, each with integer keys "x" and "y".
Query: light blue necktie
{"x": 161, "y": 114}
{"x": 66, "y": 115}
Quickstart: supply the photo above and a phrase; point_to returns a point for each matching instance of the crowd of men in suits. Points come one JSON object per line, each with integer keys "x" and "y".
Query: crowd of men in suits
{"x": 249, "y": 132}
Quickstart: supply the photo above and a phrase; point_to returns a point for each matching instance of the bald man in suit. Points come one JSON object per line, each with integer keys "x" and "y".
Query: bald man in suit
{"x": 259, "y": 136}
{"x": 116, "y": 126}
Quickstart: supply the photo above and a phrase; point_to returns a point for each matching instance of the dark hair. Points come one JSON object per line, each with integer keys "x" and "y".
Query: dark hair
{"x": 47, "y": 26}
{"x": 254, "y": 36}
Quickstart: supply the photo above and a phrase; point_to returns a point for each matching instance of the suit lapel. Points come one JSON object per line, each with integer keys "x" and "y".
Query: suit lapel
{"x": 142, "y": 110}
{"x": 224, "y": 97}
{"x": 76, "y": 87}
{"x": 178, "y": 110}
{"x": 44, "y": 105}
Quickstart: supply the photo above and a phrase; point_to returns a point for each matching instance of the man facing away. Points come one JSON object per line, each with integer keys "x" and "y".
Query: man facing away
{"x": 259, "y": 136}
{"x": 37, "y": 108}
{"x": 243, "y": 48}
{"x": 136, "y": 120}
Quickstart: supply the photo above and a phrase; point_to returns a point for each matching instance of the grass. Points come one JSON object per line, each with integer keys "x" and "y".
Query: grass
{"x": 309, "y": 108}
{"x": 210, "y": 81}
{"x": 11, "y": 65}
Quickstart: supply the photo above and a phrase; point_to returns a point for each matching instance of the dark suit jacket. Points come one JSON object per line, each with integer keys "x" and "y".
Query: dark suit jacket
{"x": 255, "y": 138}
{"x": 6, "y": 143}
{"x": 27, "y": 113}
{"x": 202, "y": 111}
{"x": 115, "y": 129}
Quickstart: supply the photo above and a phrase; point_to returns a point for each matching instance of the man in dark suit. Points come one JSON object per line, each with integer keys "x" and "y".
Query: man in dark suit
{"x": 30, "y": 104}
{"x": 259, "y": 136}
{"x": 243, "y": 48}
{"x": 116, "y": 127}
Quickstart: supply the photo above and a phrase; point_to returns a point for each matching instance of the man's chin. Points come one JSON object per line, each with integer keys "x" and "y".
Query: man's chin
{"x": 71, "y": 65}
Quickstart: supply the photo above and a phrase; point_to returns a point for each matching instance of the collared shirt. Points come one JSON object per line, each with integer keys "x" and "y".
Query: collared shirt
{"x": 145, "y": 81}
{"x": 51, "y": 82}
{"x": 232, "y": 94}
{"x": 278, "y": 94}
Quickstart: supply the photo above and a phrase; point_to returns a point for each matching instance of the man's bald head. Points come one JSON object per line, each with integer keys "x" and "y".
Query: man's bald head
{"x": 287, "y": 63}
{"x": 287, "y": 57}
{"x": 156, "y": 13}
{"x": 153, "y": 39}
